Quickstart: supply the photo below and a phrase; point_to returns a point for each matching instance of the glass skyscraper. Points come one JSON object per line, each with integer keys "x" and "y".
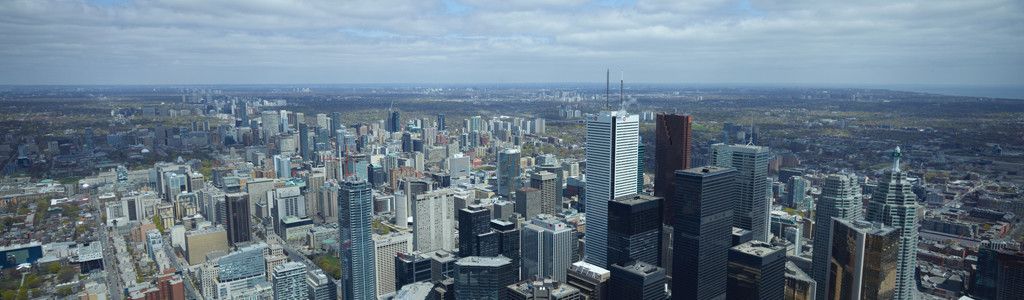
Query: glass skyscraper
{"x": 702, "y": 231}
{"x": 840, "y": 198}
{"x": 355, "y": 205}
{"x": 894, "y": 204}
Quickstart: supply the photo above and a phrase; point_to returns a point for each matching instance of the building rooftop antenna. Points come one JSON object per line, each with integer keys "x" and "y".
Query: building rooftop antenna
{"x": 607, "y": 88}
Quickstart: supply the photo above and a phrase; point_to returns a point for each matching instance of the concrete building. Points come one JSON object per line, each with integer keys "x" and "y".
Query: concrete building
{"x": 386, "y": 249}
{"x": 200, "y": 243}
{"x": 434, "y": 221}
{"x": 590, "y": 280}
{"x": 753, "y": 201}
{"x": 289, "y": 282}
{"x": 546, "y": 248}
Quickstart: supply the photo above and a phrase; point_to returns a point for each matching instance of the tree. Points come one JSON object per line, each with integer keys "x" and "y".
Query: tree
{"x": 158, "y": 221}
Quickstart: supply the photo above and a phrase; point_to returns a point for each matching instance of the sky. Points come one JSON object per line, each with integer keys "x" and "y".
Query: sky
{"x": 800, "y": 42}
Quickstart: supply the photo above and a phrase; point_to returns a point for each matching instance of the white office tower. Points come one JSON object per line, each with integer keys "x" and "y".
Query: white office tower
{"x": 386, "y": 247}
{"x": 894, "y": 204}
{"x": 434, "y": 221}
{"x": 612, "y": 145}
{"x": 753, "y": 193}
{"x": 289, "y": 281}
{"x": 546, "y": 247}
{"x": 271, "y": 123}
{"x": 840, "y": 198}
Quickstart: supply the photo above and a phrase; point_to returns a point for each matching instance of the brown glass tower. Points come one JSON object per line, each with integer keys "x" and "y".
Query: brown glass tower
{"x": 671, "y": 153}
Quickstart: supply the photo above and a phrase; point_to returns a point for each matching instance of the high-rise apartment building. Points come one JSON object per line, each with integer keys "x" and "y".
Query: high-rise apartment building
{"x": 289, "y": 282}
{"x": 355, "y": 201}
{"x": 611, "y": 152}
{"x": 671, "y": 153}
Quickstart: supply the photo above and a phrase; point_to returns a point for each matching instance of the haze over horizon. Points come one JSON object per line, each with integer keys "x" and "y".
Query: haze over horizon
{"x": 850, "y": 43}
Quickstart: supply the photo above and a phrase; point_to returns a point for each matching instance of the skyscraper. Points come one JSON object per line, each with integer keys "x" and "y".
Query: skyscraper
{"x": 551, "y": 197}
{"x": 304, "y": 149}
{"x": 320, "y": 287}
{"x": 479, "y": 277}
{"x": 864, "y": 260}
{"x": 386, "y": 248}
{"x": 750, "y": 209}
{"x": 529, "y": 202}
{"x": 289, "y": 281}
{"x": 282, "y": 167}
{"x": 440, "y": 123}
{"x": 508, "y": 237}
{"x": 703, "y": 215}
{"x": 671, "y": 153}
{"x": 394, "y": 122}
{"x": 335, "y": 122}
{"x": 1000, "y": 273}
{"x": 840, "y": 198}
{"x": 355, "y": 201}
{"x": 757, "y": 270}
{"x": 475, "y": 221}
{"x": 634, "y": 229}
{"x": 546, "y": 248}
{"x": 894, "y": 204}
{"x": 434, "y": 221}
{"x": 796, "y": 193}
{"x": 508, "y": 171}
{"x": 612, "y": 141}
{"x": 637, "y": 280}
{"x": 238, "y": 217}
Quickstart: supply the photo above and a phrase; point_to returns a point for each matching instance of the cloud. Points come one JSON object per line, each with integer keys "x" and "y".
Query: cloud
{"x": 322, "y": 41}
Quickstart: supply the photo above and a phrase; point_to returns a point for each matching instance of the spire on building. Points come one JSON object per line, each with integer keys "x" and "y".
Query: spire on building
{"x": 896, "y": 159}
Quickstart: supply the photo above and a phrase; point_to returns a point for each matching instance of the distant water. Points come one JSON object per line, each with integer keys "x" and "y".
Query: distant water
{"x": 994, "y": 91}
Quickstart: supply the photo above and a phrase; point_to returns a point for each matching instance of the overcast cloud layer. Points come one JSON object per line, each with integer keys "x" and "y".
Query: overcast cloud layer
{"x": 851, "y": 42}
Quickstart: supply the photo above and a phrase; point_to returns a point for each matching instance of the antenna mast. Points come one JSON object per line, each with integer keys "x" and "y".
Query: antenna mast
{"x": 607, "y": 88}
{"x": 622, "y": 97}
